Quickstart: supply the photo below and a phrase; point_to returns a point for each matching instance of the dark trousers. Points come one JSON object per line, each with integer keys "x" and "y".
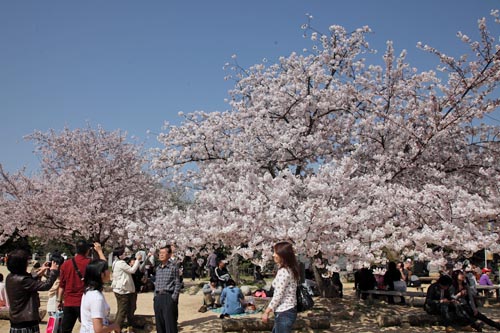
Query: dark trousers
{"x": 126, "y": 306}
{"x": 442, "y": 310}
{"x": 472, "y": 319}
{"x": 487, "y": 320}
{"x": 165, "y": 313}
{"x": 70, "y": 315}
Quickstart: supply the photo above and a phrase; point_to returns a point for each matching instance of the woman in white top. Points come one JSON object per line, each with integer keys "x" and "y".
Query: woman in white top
{"x": 284, "y": 301}
{"x": 94, "y": 310}
{"x": 124, "y": 288}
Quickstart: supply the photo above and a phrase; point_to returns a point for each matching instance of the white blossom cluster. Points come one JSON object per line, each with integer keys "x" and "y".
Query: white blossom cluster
{"x": 343, "y": 158}
{"x": 91, "y": 185}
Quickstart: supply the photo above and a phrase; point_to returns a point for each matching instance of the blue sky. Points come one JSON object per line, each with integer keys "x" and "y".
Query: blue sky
{"x": 132, "y": 65}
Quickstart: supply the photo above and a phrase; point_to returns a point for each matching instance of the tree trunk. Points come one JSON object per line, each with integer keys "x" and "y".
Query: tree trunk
{"x": 233, "y": 269}
{"x": 326, "y": 286}
{"x": 255, "y": 324}
{"x": 419, "y": 319}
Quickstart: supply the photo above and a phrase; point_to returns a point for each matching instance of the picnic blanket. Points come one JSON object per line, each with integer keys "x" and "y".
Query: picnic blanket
{"x": 259, "y": 309}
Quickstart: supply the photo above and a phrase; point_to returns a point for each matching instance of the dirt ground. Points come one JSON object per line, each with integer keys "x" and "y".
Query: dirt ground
{"x": 355, "y": 315}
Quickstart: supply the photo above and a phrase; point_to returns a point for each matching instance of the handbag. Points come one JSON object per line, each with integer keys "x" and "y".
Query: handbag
{"x": 304, "y": 299}
{"x": 54, "y": 323}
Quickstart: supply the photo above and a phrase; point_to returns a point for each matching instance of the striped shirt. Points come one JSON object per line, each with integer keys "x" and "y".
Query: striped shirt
{"x": 167, "y": 279}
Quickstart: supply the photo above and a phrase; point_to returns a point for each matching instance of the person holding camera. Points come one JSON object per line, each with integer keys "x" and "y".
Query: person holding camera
{"x": 124, "y": 287}
{"x": 22, "y": 292}
{"x": 71, "y": 282}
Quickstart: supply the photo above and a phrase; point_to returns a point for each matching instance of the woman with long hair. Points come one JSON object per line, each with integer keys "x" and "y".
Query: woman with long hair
{"x": 284, "y": 301}
{"x": 94, "y": 311}
{"x": 465, "y": 304}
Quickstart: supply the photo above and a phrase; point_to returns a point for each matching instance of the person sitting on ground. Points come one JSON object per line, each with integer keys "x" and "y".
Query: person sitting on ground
{"x": 364, "y": 280}
{"x": 438, "y": 300}
{"x": 222, "y": 274}
{"x": 485, "y": 277}
{"x": 4, "y": 301}
{"x": 232, "y": 299}
{"x": 394, "y": 282}
{"x": 466, "y": 306}
{"x": 211, "y": 295}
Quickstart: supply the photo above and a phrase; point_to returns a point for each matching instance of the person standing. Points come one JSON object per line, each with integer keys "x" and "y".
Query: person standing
{"x": 284, "y": 301}
{"x": 22, "y": 292}
{"x": 52, "y": 294}
{"x": 124, "y": 288}
{"x": 212, "y": 263}
{"x": 167, "y": 289}
{"x": 94, "y": 308}
{"x": 4, "y": 301}
{"x": 71, "y": 284}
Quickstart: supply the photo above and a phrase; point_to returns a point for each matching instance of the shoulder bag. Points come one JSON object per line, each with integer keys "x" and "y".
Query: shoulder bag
{"x": 304, "y": 299}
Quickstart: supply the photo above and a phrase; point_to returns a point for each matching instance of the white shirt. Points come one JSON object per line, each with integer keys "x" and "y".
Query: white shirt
{"x": 94, "y": 305}
{"x": 285, "y": 291}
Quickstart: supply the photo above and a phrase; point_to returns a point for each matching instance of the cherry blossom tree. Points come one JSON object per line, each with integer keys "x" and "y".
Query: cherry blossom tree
{"x": 342, "y": 157}
{"x": 92, "y": 184}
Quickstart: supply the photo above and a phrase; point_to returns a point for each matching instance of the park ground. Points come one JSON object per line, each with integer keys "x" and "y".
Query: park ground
{"x": 347, "y": 314}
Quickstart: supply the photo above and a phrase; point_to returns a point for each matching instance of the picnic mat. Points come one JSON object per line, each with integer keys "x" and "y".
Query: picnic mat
{"x": 219, "y": 311}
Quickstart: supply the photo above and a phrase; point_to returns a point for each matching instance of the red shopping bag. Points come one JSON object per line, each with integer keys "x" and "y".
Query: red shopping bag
{"x": 54, "y": 323}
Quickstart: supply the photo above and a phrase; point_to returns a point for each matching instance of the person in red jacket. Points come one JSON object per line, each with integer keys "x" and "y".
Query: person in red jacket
{"x": 71, "y": 285}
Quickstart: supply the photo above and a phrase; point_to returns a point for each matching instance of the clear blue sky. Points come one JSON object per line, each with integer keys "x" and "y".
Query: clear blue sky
{"x": 132, "y": 65}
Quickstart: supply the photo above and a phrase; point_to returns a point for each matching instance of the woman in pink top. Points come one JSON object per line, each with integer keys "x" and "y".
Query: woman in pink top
{"x": 284, "y": 301}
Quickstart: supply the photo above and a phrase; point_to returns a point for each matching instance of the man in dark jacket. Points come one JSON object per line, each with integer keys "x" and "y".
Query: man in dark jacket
{"x": 439, "y": 301}
{"x": 364, "y": 280}
{"x": 22, "y": 291}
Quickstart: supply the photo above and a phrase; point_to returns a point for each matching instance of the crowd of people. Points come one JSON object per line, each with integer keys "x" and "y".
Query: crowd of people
{"x": 453, "y": 296}
{"x": 75, "y": 289}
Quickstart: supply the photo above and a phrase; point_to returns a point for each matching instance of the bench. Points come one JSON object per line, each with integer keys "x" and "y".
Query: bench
{"x": 428, "y": 279}
{"x": 486, "y": 289}
{"x": 409, "y": 294}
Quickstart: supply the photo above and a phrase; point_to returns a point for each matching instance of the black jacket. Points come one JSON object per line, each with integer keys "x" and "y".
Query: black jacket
{"x": 22, "y": 291}
{"x": 435, "y": 294}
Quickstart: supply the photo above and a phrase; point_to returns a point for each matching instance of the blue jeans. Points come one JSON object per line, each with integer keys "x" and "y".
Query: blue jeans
{"x": 283, "y": 321}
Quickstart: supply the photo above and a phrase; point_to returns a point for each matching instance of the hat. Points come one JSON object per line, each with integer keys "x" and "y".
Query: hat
{"x": 486, "y": 270}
